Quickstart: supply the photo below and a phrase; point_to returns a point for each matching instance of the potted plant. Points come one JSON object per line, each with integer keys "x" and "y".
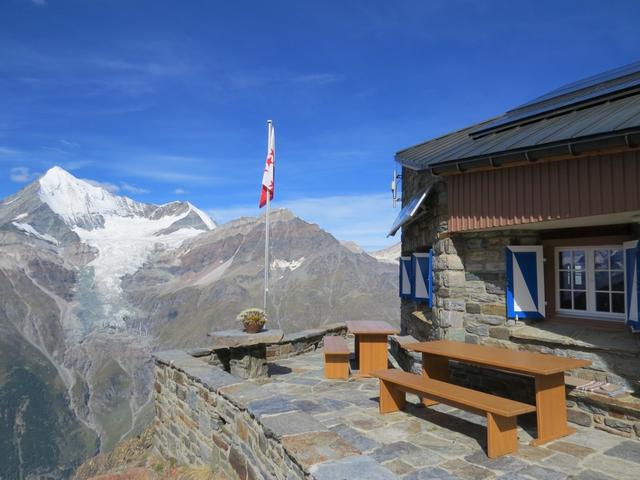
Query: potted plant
{"x": 253, "y": 319}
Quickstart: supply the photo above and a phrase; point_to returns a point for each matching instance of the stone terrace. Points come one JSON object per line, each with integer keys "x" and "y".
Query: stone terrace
{"x": 298, "y": 425}
{"x": 436, "y": 443}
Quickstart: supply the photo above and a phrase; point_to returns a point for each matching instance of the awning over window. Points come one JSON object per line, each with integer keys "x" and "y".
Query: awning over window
{"x": 408, "y": 212}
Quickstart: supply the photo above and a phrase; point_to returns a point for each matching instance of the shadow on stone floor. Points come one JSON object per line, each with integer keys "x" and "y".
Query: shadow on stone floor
{"x": 275, "y": 369}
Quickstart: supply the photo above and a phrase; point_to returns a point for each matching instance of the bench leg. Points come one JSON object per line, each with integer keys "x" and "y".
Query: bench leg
{"x": 502, "y": 435}
{"x": 391, "y": 398}
{"x": 336, "y": 366}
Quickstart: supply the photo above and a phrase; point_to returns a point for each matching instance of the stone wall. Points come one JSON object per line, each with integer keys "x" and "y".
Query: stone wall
{"x": 203, "y": 417}
{"x": 245, "y": 431}
{"x": 252, "y": 361}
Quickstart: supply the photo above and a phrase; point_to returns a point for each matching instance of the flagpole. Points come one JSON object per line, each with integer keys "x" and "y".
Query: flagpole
{"x": 266, "y": 232}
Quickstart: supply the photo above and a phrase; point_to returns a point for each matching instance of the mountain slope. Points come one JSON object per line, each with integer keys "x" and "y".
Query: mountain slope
{"x": 208, "y": 280}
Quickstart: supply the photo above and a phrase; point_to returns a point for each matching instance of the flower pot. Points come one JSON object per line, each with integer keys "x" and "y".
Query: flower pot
{"x": 253, "y": 327}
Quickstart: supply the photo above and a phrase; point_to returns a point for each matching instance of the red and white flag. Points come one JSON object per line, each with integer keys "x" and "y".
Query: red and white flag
{"x": 269, "y": 169}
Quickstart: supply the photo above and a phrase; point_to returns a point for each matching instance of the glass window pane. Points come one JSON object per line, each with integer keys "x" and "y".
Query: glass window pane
{"x": 601, "y": 259}
{"x": 617, "y": 260}
{"x": 579, "y": 300}
{"x": 602, "y": 280}
{"x": 617, "y": 302}
{"x": 578, "y": 259}
{"x": 579, "y": 281}
{"x": 602, "y": 302}
{"x": 565, "y": 260}
{"x": 617, "y": 281}
{"x": 565, "y": 300}
{"x": 565, "y": 280}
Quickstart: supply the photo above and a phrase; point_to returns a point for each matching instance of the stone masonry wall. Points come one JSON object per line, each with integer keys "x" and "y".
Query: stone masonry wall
{"x": 244, "y": 431}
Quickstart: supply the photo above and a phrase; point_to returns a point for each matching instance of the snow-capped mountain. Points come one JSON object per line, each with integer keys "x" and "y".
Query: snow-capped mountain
{"x": 121, "y": 232}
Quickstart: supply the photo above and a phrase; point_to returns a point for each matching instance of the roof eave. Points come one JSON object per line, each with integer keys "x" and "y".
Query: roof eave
{"x": 625, "y": 138}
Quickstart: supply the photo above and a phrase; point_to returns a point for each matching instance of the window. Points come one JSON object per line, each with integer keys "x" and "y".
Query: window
{"x": 590, "y": 281}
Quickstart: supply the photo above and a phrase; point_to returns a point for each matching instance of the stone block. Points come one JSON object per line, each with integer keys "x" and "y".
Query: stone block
{"x": 493, "y": 309}
{"x": 620, "y": 425}
{"x": 292, "y": 423}
{"x": 455, "y": 304}
{"x": 318, "y": 447}
{"x": 271, "y": 405}
{"x": 471, "y": 339}
{"x": 473, "y": 308}
{"x": 579, "y": 418}
{"x": 502, "y": 333}
{"x": 352, "y": 467}
{"x": 447, "y": 262}
{"x": 449, "y": 318}
{"x": 477, "y": 329}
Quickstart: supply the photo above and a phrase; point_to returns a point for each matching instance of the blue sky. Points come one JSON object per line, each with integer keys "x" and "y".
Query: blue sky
{"x": 165, "y": 100}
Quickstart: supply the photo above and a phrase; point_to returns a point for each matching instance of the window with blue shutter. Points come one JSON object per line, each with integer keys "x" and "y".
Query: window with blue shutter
{"x": 525, "y": 282}
{"x": 406, "y": 280}
{"x": 422, "y": 266}
{"x": 631, "y": 284}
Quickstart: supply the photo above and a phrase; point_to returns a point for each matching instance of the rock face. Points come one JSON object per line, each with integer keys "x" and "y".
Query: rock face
{"x": 92, "y": 283}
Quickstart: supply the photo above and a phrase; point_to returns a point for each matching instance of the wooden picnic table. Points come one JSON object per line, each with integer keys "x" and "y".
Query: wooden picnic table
{"x": 548, "y": 371}
{"x": 370, "y": 344}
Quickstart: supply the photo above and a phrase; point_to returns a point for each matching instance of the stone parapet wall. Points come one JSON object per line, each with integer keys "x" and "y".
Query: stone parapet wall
{"x": 197, "y": 423}
{"x": 206, "y": 416}
{"x": 251, "y": 361}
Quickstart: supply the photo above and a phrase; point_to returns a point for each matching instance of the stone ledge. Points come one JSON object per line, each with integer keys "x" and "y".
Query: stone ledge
{"x": 579, "y": 337}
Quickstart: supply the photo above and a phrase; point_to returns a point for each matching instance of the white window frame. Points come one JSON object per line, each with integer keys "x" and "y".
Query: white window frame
{"x": 590, "y": 312}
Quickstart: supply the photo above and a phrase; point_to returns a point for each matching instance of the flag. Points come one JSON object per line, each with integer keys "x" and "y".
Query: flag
{"x": 269, "y": 169}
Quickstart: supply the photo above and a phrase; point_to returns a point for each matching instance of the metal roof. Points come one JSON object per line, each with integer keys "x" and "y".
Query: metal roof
{"x": 593, "y": 111}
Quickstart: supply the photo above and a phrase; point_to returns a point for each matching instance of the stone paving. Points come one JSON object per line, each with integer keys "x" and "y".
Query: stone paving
{"x": 435, "y": 443}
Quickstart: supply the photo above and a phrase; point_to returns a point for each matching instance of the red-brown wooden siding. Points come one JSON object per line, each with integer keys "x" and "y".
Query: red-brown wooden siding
{"x": 537, "y": 192}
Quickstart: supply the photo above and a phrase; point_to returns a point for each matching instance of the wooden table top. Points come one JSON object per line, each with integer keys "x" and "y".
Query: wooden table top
{"x": 359, "y": 327}
{"x": 512, "y": 360}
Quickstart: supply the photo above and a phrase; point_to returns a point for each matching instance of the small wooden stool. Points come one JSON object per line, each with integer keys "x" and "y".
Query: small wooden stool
{"x": 336, "y": 358}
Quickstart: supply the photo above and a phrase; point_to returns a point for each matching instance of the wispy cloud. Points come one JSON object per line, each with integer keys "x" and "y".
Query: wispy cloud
{"x": 127, "y": 187}
{"x": 180, "y": 191}
{"x": 364, "y": 219}
{"x": 40, "y": 3}
{"x": 22, "y": 174}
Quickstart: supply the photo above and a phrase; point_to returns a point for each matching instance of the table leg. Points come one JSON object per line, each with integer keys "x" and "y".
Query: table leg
{"x": 551, "y": 408}
{"x": 437, "y": 368}
{"x": 372, "y": 353}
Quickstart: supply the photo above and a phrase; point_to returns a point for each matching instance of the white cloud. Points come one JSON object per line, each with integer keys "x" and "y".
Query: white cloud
{"x": 22, "y": 175}
{"x": 364, "y": 219}
{"x": 180, "y": 191}
{"x": 127, "y": 187}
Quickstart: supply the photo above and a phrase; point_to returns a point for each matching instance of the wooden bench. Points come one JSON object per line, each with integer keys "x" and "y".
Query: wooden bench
{"x": 501, "y": 413}
{"x": 336, "y": 357}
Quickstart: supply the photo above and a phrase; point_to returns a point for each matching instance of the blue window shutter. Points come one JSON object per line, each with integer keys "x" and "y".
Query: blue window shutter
{"x": 406, "y": 280}
{"x": 631, "y": 283}
{"x": 422, "y": 266}
{"x": 525, "y": 282}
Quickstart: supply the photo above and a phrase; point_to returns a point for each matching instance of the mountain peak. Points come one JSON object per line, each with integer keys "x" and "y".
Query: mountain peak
{"x": 76, "y": 201}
